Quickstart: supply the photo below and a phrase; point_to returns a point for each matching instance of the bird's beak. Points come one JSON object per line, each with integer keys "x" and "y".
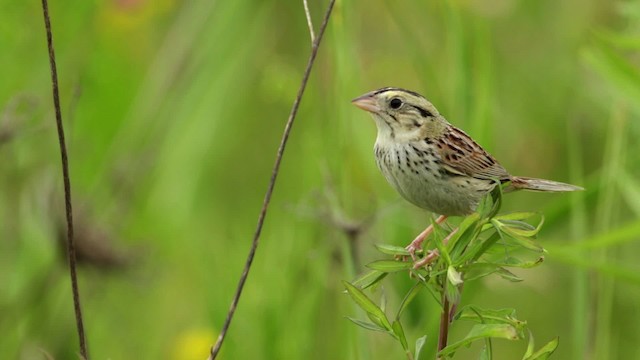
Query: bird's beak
{"x": 366, "y": 102}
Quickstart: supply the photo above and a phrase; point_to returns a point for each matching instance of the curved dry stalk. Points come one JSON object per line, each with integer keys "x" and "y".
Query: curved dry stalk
{"x": 71, "y": 250}
{"x": 274, "y": 174}
{"x": 307, "y": 13}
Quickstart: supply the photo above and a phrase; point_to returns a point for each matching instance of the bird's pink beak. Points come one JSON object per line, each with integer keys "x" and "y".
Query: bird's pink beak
{"x": 366, "y": 102}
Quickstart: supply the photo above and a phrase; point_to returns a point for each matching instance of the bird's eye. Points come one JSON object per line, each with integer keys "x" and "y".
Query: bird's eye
{"x": 395, "y": 103}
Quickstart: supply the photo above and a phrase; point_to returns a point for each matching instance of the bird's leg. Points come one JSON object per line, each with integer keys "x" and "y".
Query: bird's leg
{"x": 433, "y": 254}
{"x": 416, "y": 244}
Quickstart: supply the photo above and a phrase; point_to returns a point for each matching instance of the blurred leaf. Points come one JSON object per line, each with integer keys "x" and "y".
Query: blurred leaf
{"x": 544, "y": 352}
{"x": 408, "y": 298}
{"x": 367, "y": 325}
{"x": 481, "y": 331}
{"x": 614, "y": 70}
{"x": 530, "y": 346}
{"x": 630, "y": 190}
{"x": 388, "y": 266}
{"x": 630, "y": 274}
{"x": 621, "y": 235}
{"x": 420, "y": 346}
{"x": 485, "y": 353}
{"x": 490, "y": 316}
{"x": 399, "y": 332}
{"x": 393, "y": 250}
{"x": 373, "y": 311}
{"x": 515, "y": 262}
{"x": 369, "y": 279}
{"x": 622, "y": 41}
{"x": 508, "y": 275}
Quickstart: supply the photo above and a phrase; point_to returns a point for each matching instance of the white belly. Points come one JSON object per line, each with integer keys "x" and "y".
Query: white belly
{"x": 417, "y": 177}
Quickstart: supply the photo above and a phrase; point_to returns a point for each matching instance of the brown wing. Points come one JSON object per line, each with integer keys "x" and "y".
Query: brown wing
{"x": 460, "y": 154}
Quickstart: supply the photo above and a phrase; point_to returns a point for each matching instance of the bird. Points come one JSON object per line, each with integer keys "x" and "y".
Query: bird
{"x": 433, "y": 164}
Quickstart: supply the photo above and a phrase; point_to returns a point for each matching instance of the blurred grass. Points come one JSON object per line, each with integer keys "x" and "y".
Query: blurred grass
{"x": 174, "y": 113}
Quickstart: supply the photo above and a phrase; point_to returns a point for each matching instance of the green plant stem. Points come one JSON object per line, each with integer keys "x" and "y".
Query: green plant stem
{"x": 444, "y": 323}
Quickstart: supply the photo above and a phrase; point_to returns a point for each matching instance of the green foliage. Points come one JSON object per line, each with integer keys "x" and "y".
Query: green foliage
{"x": 483, "y": 245}
{"x": 174, "y": 110}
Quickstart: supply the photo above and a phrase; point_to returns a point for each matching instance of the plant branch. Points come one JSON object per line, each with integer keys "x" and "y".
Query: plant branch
{"x": 71, "y": 250}
{"x": 274, "y": 174}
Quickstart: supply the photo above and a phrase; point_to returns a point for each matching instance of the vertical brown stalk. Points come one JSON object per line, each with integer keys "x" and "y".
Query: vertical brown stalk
{"x": 444, "y": 323}
{"x": 71, "y": 251}
{"x": 274, "y": 174}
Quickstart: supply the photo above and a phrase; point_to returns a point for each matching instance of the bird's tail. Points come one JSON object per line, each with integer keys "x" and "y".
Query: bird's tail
{"x": 525, "y": 183}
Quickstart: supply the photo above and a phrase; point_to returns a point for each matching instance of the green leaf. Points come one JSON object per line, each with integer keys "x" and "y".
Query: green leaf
{"x": 485, "y": 353}
{"x": 367, "y": 325}
{"x": 393, "y": 250}
{"x": 517, "y": 216}
{"x": 397, "y": 329}
{"x": 530, "y": 347}
{"x": 369, "y": 279}
{"x": 452, "y": 292}
{"x": 482, "y": 331}
{"x": 465, "y": 232}
{"x": 521, "y": 240}
{"x": 515, "y": 262}
{"x": 408, "y": 298}
{"x": 374, "y": 313}
{"x": 621, "y": 235}
{"x": 522, "y": 228}
{"x": 479, "y": 247}
{"x": 545, "y": 351}
{"x": 508, "y": 275}
{"x": 437, "y": 241}
{"x": 389, "y": 266}
{"x": 491, "y": 316}
{"x": 479, "y": 270}
{"x": 420, "y": 347}
{"x": 616, "y": 71}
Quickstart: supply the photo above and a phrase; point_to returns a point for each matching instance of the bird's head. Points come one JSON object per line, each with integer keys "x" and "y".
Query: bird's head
{"x": 401, "y": 114}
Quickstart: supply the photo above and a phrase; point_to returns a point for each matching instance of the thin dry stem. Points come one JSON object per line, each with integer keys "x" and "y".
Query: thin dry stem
{"x": 71, "y": 250}
{"x": 274, "y": 174}
{"x": 309, "y": 22}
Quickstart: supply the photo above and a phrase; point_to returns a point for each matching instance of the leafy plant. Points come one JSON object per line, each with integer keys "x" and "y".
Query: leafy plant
{"x": 482, "y": 245}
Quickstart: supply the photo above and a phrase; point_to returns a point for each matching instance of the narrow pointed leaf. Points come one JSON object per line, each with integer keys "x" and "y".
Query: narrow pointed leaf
{"x": 373, "y": 311}
{"x": 545, "y": 351}
{"x": 420, "y": 347}
{"x": 409, "y": 298}
{"x": 397, "y": 329}
{"x": 392, "y": 250}
{"x": 369, "y": 279}
{"x": 367, "y": 325}
{"x": 389, "y": 266}
{"x": 481, "y": 331}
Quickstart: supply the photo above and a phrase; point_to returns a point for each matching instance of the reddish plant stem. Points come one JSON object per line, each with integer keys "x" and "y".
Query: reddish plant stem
{"x": 444, "y": 323}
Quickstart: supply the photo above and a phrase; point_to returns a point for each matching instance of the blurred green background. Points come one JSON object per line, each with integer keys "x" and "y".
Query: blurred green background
{"x": 174, "y": 111}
